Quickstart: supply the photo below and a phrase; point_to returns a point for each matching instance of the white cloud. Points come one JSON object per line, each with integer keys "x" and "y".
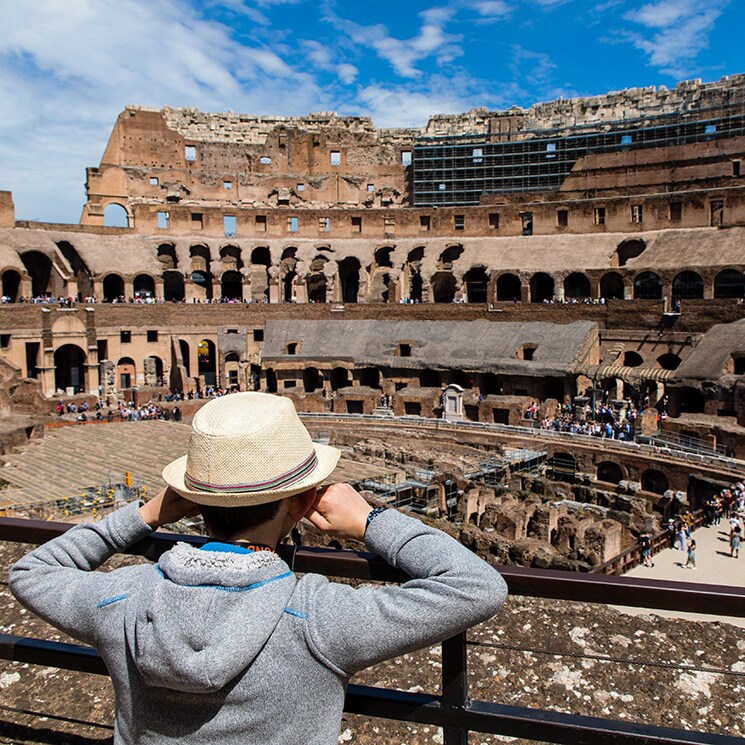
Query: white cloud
{"x": 681, "y": 30}
{"x": 322, "y": 56}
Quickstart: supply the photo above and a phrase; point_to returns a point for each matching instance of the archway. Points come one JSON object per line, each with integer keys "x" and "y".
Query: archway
{"x": 230, "y": 258}
{"x": 415, "y": 287}
{"x": 152, "y": 369}
{"x": 339, "y": 378}
{"x": 69, "y": 368}
{"x": 609, "y": 472}
{"x": 383, "y": 256}
{"x": 113, "y": 288}
{"x": 688, "y": 286}
{"x": 669, "y": 361}
{"x": 201, "y": 275}
{"x": 577, "y": 286}
{"x": 476, "y": 280}
{"x": 167, "y": 256}
{"x": 79, "y": 268}
{"x": 143, "y": 286}
{"x": 509, "y": 288}
{"x": 207, "y": 361}
{"x": 231, "y": 285}
{"x": 115, "y": 216}
{"x": 541, "y": 288}
{"x": 654, "y": 481}
{"x": 632, "y": 359}
{"x": 611, "y": 286}
{"x": 39, "y": 267}
{"x": 312, "y": 380}
{"x": 288, "y": 284}
{"x": 126, "y": 373}
{"x": 349, "y": 277}
{"x": 185, "y": 356}
{"x": 11, "y": 284}
{"x": 444, "y": 287}
{"x": 316, "y": 286}
{"x": 647, "y": 286}
{"x": 232, "y": 370}
{"x": 173, "y": 286}
{"x": 729, "y": 283}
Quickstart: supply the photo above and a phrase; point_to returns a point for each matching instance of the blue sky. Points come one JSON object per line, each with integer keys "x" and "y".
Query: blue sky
{"x": 68, "y": 67}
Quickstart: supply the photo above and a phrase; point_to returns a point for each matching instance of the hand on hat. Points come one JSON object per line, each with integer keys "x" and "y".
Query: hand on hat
{"x": 167, "y": 507}
{"x": 340, "y": 511}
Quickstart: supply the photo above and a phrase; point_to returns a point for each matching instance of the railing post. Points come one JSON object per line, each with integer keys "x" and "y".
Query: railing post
{"x": 455, "y": 686}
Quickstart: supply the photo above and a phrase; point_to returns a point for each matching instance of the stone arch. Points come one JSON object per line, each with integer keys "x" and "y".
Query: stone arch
{"x": 288, "y": 285}
{"x": 173, "y": 286}
{"x": 126, "y": 373}
{"x": 339, "y": 378}
{"x": 647, "y": 286}
{"x": 152, "y": 369}
{"x": 316, "y": 285}
{"x": 113, "y": 288}
{"x": 444, "y": 287}
{"x": 116, "y": 215}
{"x": 39, "y": 268}
{"x": 312, "y": 379}
{"x": 629, "y": 249}
{"x": 383, "y": 256}
{"x": 610, "y": 472}
{"x": 143, "y": 286}
{"x": 201, "y": 274}
{"x": 290, "y": 252}
{"x": 477, "y": 281}
{"x": 509, "y": 288}
{"x": 207, "y": 361}
{"x": 729, "y": 283}
{"x": 654, "y": 481}
{"x": 669, "y": 361}
{"x": 80, "y": 269}
{"x": 69, "y": 368}
{"x": 261, "y": 256}
{"x": 185, "y": 355}
{"x": 11, "y": 284}
{"x": 688, "y": 285}
{"x": 231, "y": 285}
{"x": 414, "y": 270}
{"x": 541, "y": 288}
{"x": 231, "y": 258}
{"x": 612, "y": 286}
{"x": 167, "y": 256}
{"x": 349, "y": 277}
{"x": 577, "y": 285}
{"x": 231, "y": 367}
{"x": 450, "y": 255}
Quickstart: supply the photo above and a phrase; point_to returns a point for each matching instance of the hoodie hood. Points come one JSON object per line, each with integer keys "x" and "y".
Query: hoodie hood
{"x": 207, "y": 618}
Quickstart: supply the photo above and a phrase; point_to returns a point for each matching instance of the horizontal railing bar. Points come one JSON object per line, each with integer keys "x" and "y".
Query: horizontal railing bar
{"x": 719, "y": 600}
{"x": 424, "y": 708}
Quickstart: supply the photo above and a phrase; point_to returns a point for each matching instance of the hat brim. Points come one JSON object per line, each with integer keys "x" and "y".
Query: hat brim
{"x": 174, "y": 472}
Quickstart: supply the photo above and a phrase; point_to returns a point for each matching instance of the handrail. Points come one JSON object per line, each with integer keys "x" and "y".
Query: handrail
{"x": 452, "y": 710}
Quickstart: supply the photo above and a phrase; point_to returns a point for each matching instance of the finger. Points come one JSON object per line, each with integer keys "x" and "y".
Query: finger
{"x": 317, "y": 519}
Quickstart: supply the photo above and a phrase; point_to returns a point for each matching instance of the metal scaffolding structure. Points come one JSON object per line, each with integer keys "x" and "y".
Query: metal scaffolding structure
{"x": 457, "y": 170}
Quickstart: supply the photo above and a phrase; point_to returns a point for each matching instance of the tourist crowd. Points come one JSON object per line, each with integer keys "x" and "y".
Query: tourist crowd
{"x": 601, "y": 421}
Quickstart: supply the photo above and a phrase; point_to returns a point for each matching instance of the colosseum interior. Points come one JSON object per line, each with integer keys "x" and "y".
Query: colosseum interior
{"x": 436, "y": 301}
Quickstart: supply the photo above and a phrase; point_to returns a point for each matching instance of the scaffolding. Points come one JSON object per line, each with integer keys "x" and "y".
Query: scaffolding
{"x": 458, "y": 169}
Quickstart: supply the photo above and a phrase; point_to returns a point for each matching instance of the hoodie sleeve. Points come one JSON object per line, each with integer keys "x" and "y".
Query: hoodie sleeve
{"x": 57, "y": 582}
{"x": 451, "y": 589}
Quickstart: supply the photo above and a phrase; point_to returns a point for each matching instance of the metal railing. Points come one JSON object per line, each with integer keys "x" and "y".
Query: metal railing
{"x": 452, "y": 709}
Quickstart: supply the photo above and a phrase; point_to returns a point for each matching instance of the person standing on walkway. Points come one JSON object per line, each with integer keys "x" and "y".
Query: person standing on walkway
{"x": 646, "y": 547}
{"x": 681, "y": 537}
{"x": 734, "y": 541}
{"x": 691, "y": 560}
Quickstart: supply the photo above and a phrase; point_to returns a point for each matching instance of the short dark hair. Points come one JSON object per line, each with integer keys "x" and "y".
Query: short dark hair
{"x": 225, "y": 522}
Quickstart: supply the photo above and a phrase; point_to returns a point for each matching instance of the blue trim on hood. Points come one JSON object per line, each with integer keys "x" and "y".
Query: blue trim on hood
{"x": 228, "y": 588}
{"x": 225, "y": 548}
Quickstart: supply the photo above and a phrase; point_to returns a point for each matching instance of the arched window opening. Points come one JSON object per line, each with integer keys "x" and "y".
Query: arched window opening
{"x": 609, "y": 472}
{"x": 126, "y": 374}
{"x": 316, "y": 286}
{"x": 654, "y": 481}
{"x": 185, "y": 356}
{"x": 688, "y": 286}
{"x": 349, "y": 276}
{"x": 153, "y": 370}
{"x": 230, "y": 257}
{"x": 69, "y": 368}
{"x": 415, "y": 288}
{"x": 79, "y": 268}
{"x": 630, "y": 249}
{"x": 647, "y": 286}
{"x": 383, "y": 256}
{"x": 115, "y": 216}
{"x": 143, "y": 286}
{"x": 541, "y": 288}
{"x": 339, "y": 378}
{"x": 577, "y": 286}
{"x": 444, "y": 287}
{"x": 288, "y": 284}
{"x": 231, "y": 285}
{"x": 173, "y": 286}
{"x": 669, "y": 361}
{"x": 39, "y": 267}
{"x": 632, "y": 359}
{"x": 167, "y": 256}
{"x": 509, "y": 288}
{"x": 207, "y": 362}
{"x": 11, "y": 285}
{"x": 729, "y": 283}
{"x": 200, "y": 258}
{"x": 261, "y": 256}
{"x": 477, "y": 281}
{"x": 289, "y": 253}
{"x": 611, "y": 286}
{"x": 312, "y": 380}
{"x": 449, "y": 256}
{"x": 113, "y": 288}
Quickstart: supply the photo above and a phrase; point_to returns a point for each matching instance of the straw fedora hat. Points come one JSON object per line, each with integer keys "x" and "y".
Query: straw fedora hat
{"x": 248, "y": 449}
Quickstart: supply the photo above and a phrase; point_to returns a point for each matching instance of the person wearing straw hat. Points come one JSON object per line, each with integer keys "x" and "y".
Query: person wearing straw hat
{"x": 223, "y": 643}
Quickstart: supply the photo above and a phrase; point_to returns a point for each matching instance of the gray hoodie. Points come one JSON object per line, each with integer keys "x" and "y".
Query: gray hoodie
{"x": 217, "y": 646}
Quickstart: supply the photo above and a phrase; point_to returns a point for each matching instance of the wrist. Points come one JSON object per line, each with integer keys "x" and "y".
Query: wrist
{"x": 149, "y": 516}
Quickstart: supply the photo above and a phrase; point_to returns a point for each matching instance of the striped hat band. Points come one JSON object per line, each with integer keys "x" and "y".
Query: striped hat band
{"x": 283, "y": 481}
